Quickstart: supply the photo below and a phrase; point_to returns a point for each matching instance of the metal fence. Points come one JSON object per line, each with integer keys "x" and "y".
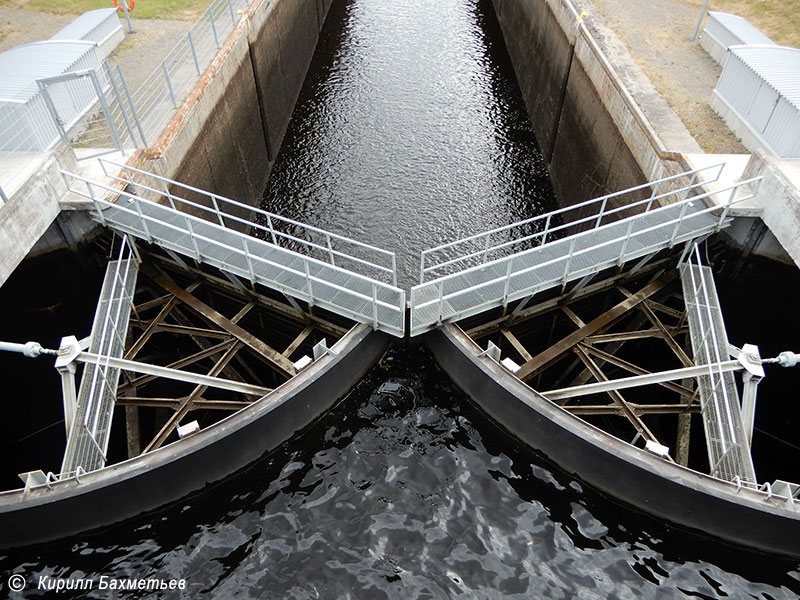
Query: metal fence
{"x": 596, "y": 242}
{"x": 134, "y": 118}
{"x": 335, "y": 284}
{"x": 728, "y": 448}
{"x": 91, "y": 428}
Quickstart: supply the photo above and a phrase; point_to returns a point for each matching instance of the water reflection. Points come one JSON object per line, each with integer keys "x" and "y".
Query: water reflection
{"x": 410, "y": 130}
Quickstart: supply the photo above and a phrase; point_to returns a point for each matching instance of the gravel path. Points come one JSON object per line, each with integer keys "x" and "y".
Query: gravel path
{"x": 657, "y": 34}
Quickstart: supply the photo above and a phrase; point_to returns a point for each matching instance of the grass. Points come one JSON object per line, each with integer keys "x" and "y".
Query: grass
{"x": 779, "y": 19}
{"x": 143, "y": 9}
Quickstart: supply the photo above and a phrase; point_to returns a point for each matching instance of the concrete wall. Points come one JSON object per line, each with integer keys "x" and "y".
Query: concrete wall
{"x": 226, "y": 135}
{"x": 593, "y": 134}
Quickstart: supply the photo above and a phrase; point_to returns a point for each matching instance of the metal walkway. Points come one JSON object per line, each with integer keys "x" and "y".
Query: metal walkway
{"x": 313, "y": 265}
{"x": 87, "y": 440}
{"x": 491, "y": 269}
{"x": 728, "y": 447}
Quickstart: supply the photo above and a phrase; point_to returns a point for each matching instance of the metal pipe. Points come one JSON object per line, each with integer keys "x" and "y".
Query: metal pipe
{"x": 699, "y": 21}
{"x": 29, "y": 349}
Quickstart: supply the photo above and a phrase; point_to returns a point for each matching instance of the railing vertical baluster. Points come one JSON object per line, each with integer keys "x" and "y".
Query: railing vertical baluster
{"x": 132, "y": 106}
{"x": 421, "y": 267}
{"x": 330, "y": 248}
{"x": 213, "y": 27}
{"x": 233, "y": 15}
{"x": 569, "y": 261}
{"x": 194, "y": 53}
{"x": 249, "y": 260}
{"x": 374, "y": 306}
{"x": 191, "y": 236}
{"x": 675, "y": 231}
{"x": 145, "y": 228}
{"x": 394, "y": 270}
{"x": 217, "y": 210}
{"x": 308, "y": 284}
{"x": 169, "y": 84}
{"x": 546, "y": 230}
{"x": 508, "y": 281}
{"x": 441, "y": 302}
{"x": 271, "y": 230}
{"x": 601, "y": 213}
{"x": 621, "y": 258}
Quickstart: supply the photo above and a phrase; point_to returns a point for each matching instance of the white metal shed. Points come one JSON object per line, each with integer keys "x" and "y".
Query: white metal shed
{"x": 26, "y": 125}
{"x": 724, "y": 30}
{"x": 100, "y": 26}
{"x": 758, "y": 96}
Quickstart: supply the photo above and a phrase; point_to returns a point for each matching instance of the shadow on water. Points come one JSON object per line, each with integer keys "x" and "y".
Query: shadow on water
{"x": 404, "y": 490}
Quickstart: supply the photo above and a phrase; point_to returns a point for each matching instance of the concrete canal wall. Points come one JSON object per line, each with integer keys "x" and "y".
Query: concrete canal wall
{"x": 594, "y": 136}
{"x": 226, "y": 135}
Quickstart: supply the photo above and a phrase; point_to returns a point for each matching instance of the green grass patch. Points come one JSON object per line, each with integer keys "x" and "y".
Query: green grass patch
{"x": 143, "y": 9}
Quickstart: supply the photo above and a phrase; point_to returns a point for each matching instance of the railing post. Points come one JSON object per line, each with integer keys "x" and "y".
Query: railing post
{"x": 727, "y": 208}
{"x": 249, "y": 260}
{"x": 546, "y": 230}
{"x": 330, "y": 248}
{"x": 441, "y": 302}
{"x": 213, "y": 27}
{"x": 271, "y": 230}
{"x": 508, "y": 281}
{"x": 168, "y": 195}
{"x": 119, "y": 100}
{"x": 684, "y": 208}
{"x": 145, "y": 228}
{"x": 374, "y": 306}
{"x": 394, "y": 270}
{"x": 569, "y": 261}
{"x": 653, "y": 196}
{"x": 308, "y": 284}
{"x": 191, "y": 237}
{"x": 233, "y": 15}
{"x": 601, "y": 213}
{"x": 194, "y": 53}
{"x": 486, "y": 250}
{"x": 217, "y": 210}
{"x": 169, "y": 84}
{"x": 3, "y": 196}
{"x": 90, "y": 189}
{"x": 132, "y": 106}
{"x": 621, "y": 259}
{"x": 421, "y": 267}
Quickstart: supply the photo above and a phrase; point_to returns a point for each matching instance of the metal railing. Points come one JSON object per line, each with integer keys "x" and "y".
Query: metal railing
{"x": 489, "y": 245}
{"x": 137, "y": 117}
{"x": 728, "y": 449}
{"x": 294, "y": 235}
{"x": 91, "y": 428}
{"x": 333, "y": 284}
{"x": 548, "y": 264}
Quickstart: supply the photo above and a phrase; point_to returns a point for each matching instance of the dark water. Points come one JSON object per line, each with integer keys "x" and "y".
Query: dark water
{"x": 404, "y": 491}
{"x": 410, "y": 130}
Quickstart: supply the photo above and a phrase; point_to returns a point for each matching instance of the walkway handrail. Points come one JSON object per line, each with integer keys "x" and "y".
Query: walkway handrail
{"x": 501, "y": 271}
{"x": 695, "y": 183}
{"x": 216, "y": 200}
{"x": 327, "y": 285}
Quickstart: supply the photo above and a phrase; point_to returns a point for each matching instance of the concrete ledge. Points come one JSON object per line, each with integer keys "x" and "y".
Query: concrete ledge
{"x": 166, "y": 475}
{"x": 653, "y": 485}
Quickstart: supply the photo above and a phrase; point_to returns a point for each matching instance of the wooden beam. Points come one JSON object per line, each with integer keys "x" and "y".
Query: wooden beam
{"x": 572, "y": 316}
{"x": 626, "y": 409}
{"x": 181, "y": 329}
{"x": 258, "y": 347}
{"x": 625, "y": 336}
{"x": 553, "y": 353}
{"x": 636, "y": 370}
{"x": 494, "y": 325}
{"x": 301, "y": 337}
{"x": 175, "y": 403}
{"x": 187, "y": 403}
{"x": 638, "y": 409}
{"x": 282, "y": 309}
{"x": 526, "y": 356}
{"x": 151, "y": 329}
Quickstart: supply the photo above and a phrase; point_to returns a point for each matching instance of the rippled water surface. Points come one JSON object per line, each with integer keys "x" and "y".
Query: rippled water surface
{"x": 410, "y": 130}
{"x": 404, "y": 491}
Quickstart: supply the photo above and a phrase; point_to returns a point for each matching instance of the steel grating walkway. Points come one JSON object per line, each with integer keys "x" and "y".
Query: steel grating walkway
{"x": 554, "y": 263}
{"x": 728, "y": 449}
{"x": 89, "y": 434}
{"x": 341, "y": 289}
